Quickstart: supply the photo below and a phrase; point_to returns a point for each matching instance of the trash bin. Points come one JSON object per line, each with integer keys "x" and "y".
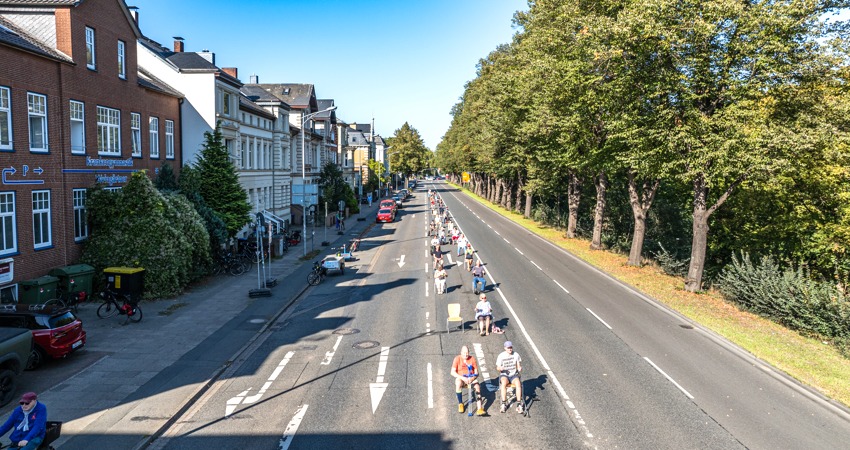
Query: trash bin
{"x": 277, "y": 246}
{"x": 38, "y": 291}
{"x": 127, "y": 280}
{"x": 76, "y": 278}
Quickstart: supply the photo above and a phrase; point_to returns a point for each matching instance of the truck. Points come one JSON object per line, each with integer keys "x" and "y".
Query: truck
{"x": 15, "y": 349}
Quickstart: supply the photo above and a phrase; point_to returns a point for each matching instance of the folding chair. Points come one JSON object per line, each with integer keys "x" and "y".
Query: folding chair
{"x": 454, "y": 316}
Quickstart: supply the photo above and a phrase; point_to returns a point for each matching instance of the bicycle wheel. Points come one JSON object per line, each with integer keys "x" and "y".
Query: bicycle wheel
{"x": 313, "y": 279}
{"x": 135, "y": 314}
{"x": 107, "y": 309}
{"x": 237, "y": 267}
{"x": 55, "y": 302}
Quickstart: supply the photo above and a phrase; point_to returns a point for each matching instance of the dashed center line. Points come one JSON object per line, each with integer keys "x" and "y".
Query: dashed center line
{"x": 519, "y": 251}
{"x": 669, "y": 379}
{"x": 535, "y": 264}
{"x": 599, "y": 319}
{"x": 559, "y": 285}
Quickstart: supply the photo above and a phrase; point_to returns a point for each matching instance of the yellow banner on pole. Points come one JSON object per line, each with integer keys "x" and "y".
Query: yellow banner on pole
{"x": 465, "y": 177}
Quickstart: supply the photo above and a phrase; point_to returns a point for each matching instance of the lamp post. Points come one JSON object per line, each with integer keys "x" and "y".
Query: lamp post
{"x": 304, "y": 119}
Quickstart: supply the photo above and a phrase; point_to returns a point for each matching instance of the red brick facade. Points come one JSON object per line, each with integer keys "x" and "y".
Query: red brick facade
{"x": 60, "y": 170}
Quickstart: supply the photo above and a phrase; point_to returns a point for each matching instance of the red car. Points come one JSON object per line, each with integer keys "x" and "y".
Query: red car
{"x": 385, "y": 215}
{"x": 56, "y": 331}
{"x": 389, "y": 204}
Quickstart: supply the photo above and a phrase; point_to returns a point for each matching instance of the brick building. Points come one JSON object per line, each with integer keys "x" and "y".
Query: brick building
{"x": 75, "y": 110}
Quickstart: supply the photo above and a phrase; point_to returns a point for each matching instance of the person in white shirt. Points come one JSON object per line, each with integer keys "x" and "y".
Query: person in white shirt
{"x": 483, "y": 314}
{"x": 440, "y": 276}
{"x": 509, "y": 367}
{"x": 461, "y": 244}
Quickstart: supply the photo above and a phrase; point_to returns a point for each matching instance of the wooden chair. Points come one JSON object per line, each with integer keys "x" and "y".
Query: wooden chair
{"x": 454, "y": 316}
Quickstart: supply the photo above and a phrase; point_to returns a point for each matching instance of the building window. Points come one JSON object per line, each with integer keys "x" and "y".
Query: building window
{"x": 154, "y": 134}
{"x": 108, "y": 131}
{"x": 37, "y": 106}
{"x": 9, "y": 294}
{"x": 41, "y": 219}
{"x": 169, "y": 139}
{"x": 136, "y": 133}
{"x": 81, "y": 226}
{"x": 8, "y": 232}
{"x": 112, "y": 189}
{"x": 225, "y": 103}
{"x": 122, "y": 71}
{"x": 90, "y": 61}
{"x": 5, "y": 119}
{"x": 78, "y": 128}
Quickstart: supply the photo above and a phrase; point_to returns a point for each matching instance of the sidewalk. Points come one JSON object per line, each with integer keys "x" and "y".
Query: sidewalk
{"x": 150, "y": 370}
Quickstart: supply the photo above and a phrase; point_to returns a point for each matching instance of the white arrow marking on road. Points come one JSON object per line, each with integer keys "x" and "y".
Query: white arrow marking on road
{"x": 377, "y": 389}
{"x": 234, "y": 402}
{"x": 449, "y": 255}
{"x": 330, "y": 355}
{"x": 401, "y": 261}
{"x": 271, "y": 379}
{"x": 482, "y": 366}
{"x": 289, "y": 432}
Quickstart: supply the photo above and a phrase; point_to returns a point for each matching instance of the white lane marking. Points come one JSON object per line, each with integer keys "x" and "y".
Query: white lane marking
{"x": 427, "y": 315}
{"x": 377, "y": 389}
{"x": 243, "y": 397}
{"x": 599, "y": 319}
{"x": 670, "y": 379}
{"x": 518, "y": 251}
{"x": 497, "y": 233}
{"x": 289, "y": 432}
{"x": 506, "y": 240}
{"x": 482, "y": 366}
{"x": 449, "y": 255}
{"x": 535, "y": 264}
{"x": 559, "y": 285}
{"x": 426, "y": 267}
{"x": 482, "y": 221}
{"x": 488, "y": 226}
{"x": 430, "y": 388}
{"x": 330, "y": 355}
{"x": 426, "y": 288}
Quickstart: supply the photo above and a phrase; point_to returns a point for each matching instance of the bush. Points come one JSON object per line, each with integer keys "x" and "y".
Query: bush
{"x": 788, "y": 296}
{"x": 670, "y": 264}
{"x": 140, "y": 227}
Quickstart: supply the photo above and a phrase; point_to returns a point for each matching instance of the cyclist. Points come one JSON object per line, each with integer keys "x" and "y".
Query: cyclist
{"x": 509, "y": 366}
{"x": 483, "y": 314}
{"x": 465, "y": 372}
{"x": 28, "y": 423}
{"x": 478, "y": 278}
{"x": 469, "y": 255}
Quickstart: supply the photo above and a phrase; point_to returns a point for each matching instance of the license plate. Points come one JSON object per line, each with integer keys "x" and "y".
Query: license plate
{"x": 77, "y": 344}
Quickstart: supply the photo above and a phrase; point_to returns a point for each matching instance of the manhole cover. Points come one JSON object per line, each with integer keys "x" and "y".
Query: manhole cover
{"x": 345, "y": 331}
{"x": 257, "y": 321}
{"x": 366, "y": 344}
{"x": 687, "y": 327}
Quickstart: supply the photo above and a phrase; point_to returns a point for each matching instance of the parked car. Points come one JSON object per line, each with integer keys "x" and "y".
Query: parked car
{"x": 399, "y": 198}
{"x": 385, "y": 215}
{"x": 15, "y": 348}
{"x": 56, "y": 332}
{"x": 334, "y": 263}
{"x": 364, "y": 200}
{"x": 388, "y": 203}
{"x": 405, "y": 193}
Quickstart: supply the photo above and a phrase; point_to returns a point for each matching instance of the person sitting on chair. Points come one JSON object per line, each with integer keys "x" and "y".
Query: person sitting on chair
{"x": 29, "y": 421}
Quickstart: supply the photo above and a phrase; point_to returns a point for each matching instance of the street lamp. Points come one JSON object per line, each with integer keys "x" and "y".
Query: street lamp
{"x": 304, "y": 119}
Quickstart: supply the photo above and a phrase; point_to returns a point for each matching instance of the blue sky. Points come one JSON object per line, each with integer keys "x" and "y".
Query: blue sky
{"x": 397, "y": 60}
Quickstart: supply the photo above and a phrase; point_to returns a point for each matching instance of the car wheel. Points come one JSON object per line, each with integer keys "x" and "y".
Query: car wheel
{"x": 36, "y": 358}
{"x": 7, "y": 386}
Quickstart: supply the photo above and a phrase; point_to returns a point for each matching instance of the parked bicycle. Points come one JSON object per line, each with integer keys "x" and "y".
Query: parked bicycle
{"x": 230, "y": 263}
{"x": 69, "y": 299}
{"x": 116, "y": 303}
{"x": 317, "y": 275}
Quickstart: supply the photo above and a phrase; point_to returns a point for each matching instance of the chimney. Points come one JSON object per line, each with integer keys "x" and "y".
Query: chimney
{"x": 134, "y": 12}
{"x": 208, "y": 55}
{"x": 178, "y": 44}
{"x": 255, "y": 79}
{"x": 232, "y": 71}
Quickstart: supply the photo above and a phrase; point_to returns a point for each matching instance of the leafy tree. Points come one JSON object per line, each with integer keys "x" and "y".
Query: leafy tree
{"x": 334, "y": 188}
{"x": 189, "y": 186}
{"x": 409, "y": 151}
{"x": 165, "y": 179}
{"x": 218, "y": 184}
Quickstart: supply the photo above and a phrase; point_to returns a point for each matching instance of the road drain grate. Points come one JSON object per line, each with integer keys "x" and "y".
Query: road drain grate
{"x": 345, "y": 331}
{"x": 366, "y": 344}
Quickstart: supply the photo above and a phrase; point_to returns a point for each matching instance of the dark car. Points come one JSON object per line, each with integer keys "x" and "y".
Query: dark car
{"x": 56, "y": 331}
{"x": 399, "y": 199}
{"x": 385, "y": 215}
{"x": 364, "y": 200}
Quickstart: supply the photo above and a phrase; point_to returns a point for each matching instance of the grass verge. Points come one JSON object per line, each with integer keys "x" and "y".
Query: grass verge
{"x": 810, "y": 361}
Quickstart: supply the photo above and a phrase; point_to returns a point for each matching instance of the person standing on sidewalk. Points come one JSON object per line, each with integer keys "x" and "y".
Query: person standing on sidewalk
{"x": 29, "y": 421}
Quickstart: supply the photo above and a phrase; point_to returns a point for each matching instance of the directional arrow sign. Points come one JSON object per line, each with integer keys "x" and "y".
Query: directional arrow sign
{"x": 401, "y": 261}
{"x": 377, "y": 389}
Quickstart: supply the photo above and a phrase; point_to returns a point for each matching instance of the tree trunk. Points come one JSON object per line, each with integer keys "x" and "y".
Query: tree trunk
{"x": 640, "y": 205}
{"x": 601, "y": 183}
{"x": 527, "y": 205}
{"x": 509, "y": 195}
{"x": 573, "y": 201}
{"x": 494, "y": 189}
{"x": 519, "y": 189}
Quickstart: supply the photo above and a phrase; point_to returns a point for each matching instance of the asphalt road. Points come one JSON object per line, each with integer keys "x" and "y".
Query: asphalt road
{"x": 363, "y": 361}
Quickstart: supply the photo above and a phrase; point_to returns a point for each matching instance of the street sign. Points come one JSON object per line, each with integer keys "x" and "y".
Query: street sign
{"x": 465, "y": 177}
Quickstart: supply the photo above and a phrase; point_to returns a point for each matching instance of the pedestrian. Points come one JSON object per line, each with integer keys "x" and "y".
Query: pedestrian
{"x": 29, "y": 421}
{"x": 440, "y": 277}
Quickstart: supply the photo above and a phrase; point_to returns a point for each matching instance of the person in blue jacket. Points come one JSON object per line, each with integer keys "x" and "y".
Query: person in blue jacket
{"x": 28, "y": 423}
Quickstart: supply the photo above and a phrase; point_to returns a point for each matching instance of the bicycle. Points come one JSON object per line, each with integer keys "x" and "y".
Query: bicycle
{"x": 69, "y": 299}
{"x": 317, "y": 275}
{"x": 110, "y": 306}
{"x": 227, "y": 262}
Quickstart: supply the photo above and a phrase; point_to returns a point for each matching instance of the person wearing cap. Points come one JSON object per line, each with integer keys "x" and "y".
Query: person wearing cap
{"x": 28, "y": 423}
{"x": 478, "y": 278}
{"x": 483, "y": 314}
{"x": 509, "y": 367}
